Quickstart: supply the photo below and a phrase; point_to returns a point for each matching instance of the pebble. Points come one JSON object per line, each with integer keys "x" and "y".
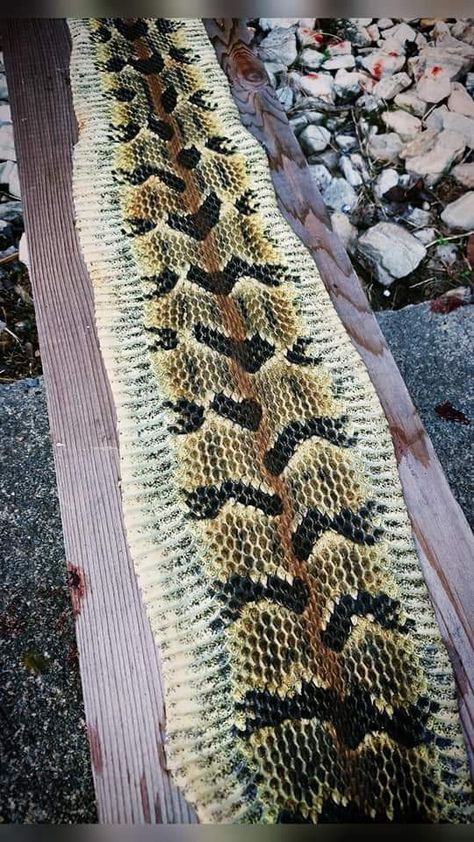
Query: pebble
{"x": 346, "y": 83}
{"x": 418, "y": 217}
{"x": 460, "y": 214}
{"x": 425, "y": 235}
{"x": 3, "y": 87}
{"x": 461, "y": 124}
{"x": 338, "y": 62}
{"x": 386, "y": 179}
{"x": 340, "y": 195}
{"x": 345, "y": 230}
{"x": 391, "y": 251}
{"x": 311, "y": 58}
{"x": 411, "y": 102}
{"x": 381, "y": 64}
{"x": 279, "y": 46}
{"x": 320, "y": 175}
{"x": 401, "y": 32}
{"x": 460, "y": 101}
{"x": 384, "y": 23}
{"x": 346, "y": 141}
{"x": 389, "y": 87}
{"x": 349, "y": 172}
{"x": 319, "y": 85}
{"x": 9, "y": 176}
{"x": 447, "y": 253}
{"x": 404, "y": 124}
{"x": 464, "y": 174}
{"x": 385, "y": 147}
{"x": 432, "y": 153}
{"x": 314, "y": 139}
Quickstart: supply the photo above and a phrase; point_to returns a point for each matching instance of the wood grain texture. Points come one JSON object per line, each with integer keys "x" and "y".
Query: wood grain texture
{"x": 443, "y": 538}
{"x": 123, "y": 692}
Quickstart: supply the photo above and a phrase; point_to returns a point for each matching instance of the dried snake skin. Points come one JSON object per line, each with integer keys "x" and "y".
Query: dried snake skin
{"x": 305, "y": 676}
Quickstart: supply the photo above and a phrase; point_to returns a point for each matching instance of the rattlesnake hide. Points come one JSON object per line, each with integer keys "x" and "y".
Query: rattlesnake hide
{"x": 305, "y": 676}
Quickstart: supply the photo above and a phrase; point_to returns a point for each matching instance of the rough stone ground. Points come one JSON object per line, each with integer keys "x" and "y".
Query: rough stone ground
{"x": 45, "y": 768}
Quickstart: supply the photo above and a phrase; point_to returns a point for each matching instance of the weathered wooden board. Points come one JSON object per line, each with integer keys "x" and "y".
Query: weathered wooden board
{"x": 119, "y": 663}
{"x": 444, "y": 540}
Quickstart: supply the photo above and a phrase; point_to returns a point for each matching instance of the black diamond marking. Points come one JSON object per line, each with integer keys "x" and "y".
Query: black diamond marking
{"x": 164, "y": 283}
{"x": 102, "y": 34}
{"x": 139, "y": 227}
{"x": 192, "y": 416}
{"x": 206, "y": 501}
{"x": 384, "y": 609}
{"x": 237, "y": 591}
{"x": 115, "y": 64}
{"x": 347, "y": 523}
{"x": 126, "y": 132}
{"x": 198, "y": 225}
{"x": 251, "y": 354}
{"x": 189, "y": 158}
{"x": 296, "y": 432}
{"x": 296, "y": 354}
{"x": 160, "y": 127}
{"x": 223, "y": 282}
{"x": 131, "y": 30}
{"x": 166, "y": 338}
{"x": 197, "y": 99}
{"x": 247, "y": 413}
{"x": 123, "y": 94}
{"x": 145, "y": 171}
{"x": 216, "y": 144}
{"x": 353, "y": 716}
{"x": 150, "y": 65}
{"x": 180, "y": 55}
{"x": 245, "y": 204}
{"x": 169, "y": 99}
{"x": 165, "y": 25}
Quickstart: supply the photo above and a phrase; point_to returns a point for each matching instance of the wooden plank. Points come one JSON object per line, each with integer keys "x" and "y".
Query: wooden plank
{"x": 444, "y": 541}
{"x": 123, "y": 692}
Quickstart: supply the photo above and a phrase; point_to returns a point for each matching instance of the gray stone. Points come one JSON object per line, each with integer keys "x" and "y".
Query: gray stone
{"x": 349, "y": 172}
{"x": 340, "y": 195}
{"x": 434, "y": 355}
{"x": 9, "y": 176}
{"x": 384, "y": 147}
{"x": 418, "y": 217}
{"x": 319, "y": 85}
{"x": 432, "y": 153}
{"x": 345, "y": 230}
{"x": 460, "y": 214}
{"x": 347, "y": 83}
{"x": 3, "y": 87}
{"x": 7, "y": 146}
{"x": 425, "y": 235}
{"x": 387, "y": 179}
{"x": 321, "y": 176}
{"x": 390, "y": 86}
{"x": 286, "y": 96}
{"x": 401, "y": 32}
{"x": 380, "y": 64}
{"x": 311, "y": 58}
{"x": 461, "y": 124}
{"x": 404, "y": 124}
{"x": 279, "y": 46}
{"x": 464, "y": 174}
{"x": 391, "y": 251}
{"x": 346, "y": 141}
{"x": 10, "y": 210}
{"x": 384, "y": 23}
{"x": 346, "y": 62}
{"x": 447, "y": 253}
{"x": 314, "y": 139}
{"x": 435, "y": 68}
{"x": 411, "y": 102}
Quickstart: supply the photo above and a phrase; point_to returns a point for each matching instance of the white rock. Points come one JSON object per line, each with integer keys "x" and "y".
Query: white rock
{"x": 277, "y": 23}
{"x": 342, "y": 48}
{"x": 401, "y": 32}
{"x": 384, "y": 23}
{"x": 464, "y": 29}
{"x": 387, "y": 179}
{"x": 425, "y": 235}
{"x": 460, "y": 101}
{"x": 286, "y": 96}
{"x": 23, "y": 252}
{"x": 311, "y": 58}
{"x": 5, "y": 115}
{"x": 435, "y": 68}
{"x": 346, "y": 141}
{"x": 272, "y": 68}
{"x": 384, "y": 147}
{"x": 360, "y": 165}
{"x": 434, "y": 88}
{"x": 345, "y": 230}
{"x": 470, "y": 83}
{"x": 360, "y": 36}
{"x": 464, "y": 174}
{"x": 349, "y": 172}
{"x": 279, "y": 45}
{"x": 461, "y": 124}
{"x": 314, "y": 139}
{"x": 434, "y": 120}
{"x": 346, "y": 61}
{"x": 9, "y": 175}
{"x": 373, "y": 31}
{"x": 362, "y": 21}
{"x": 411, "y": 102}
{"x": 381, "y": 64}
{"x": 404, "y": 124}
{"x": 390, "y": 86}
{"x": 432, "y": 153}
{"x": 320, "y": 175}
{"x": 348, "y": 83}
{"x": 460, "y": 214}
{"x": 391, "y": 251}
{"x": 418, "y": 217}
{"x": 318, "y": 85}
{"x": 340, "y": 196}
{"x": 309, "y": 37}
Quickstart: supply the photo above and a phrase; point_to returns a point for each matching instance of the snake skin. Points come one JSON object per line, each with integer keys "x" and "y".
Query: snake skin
{"x": 332, "y": 712}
